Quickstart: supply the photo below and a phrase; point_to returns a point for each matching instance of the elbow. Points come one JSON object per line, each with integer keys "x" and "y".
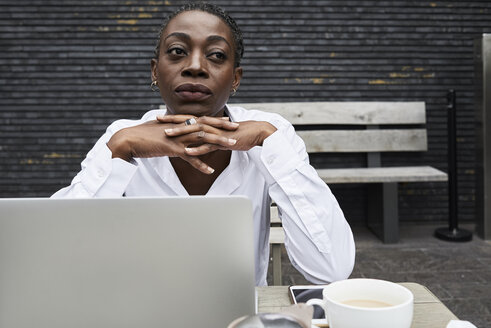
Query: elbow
{"x": 332, "y": 270}
{"x": 344, "y": 262}
{"x": 333, "y": 266}
{"x": 350, "y": 254}
{"x": 344, "y": 270}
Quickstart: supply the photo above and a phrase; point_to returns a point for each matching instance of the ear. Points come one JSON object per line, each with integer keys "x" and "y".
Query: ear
{"x": 153, "y": 66}
{"x": 237, "y": 77}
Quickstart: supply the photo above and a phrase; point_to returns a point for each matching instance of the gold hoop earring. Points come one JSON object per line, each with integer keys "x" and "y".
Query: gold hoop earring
{"x": 154, "y": 86}
{"x": 234, "y": 91}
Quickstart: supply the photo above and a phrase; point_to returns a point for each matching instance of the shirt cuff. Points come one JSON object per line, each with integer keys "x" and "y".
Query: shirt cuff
{"x": 279, "y": 157}
{"x": 107, "y": 176}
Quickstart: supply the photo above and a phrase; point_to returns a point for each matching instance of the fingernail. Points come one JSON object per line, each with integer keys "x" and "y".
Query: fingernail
{"x": 210, "y": 169}
{"x": 232, "y": 141}
{"x": 190, "y": 150}
{"x": 168, "y": 130}
{"x": 234, "y": 124}
{"x": 159, "y": 117}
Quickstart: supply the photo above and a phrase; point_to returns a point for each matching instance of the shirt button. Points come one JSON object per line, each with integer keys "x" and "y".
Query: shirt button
{"x": 270, "y": 160}
{"x": 100, "y": 173}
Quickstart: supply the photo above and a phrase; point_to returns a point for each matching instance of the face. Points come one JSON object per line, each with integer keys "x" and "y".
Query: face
{"x": 195, "y": 70}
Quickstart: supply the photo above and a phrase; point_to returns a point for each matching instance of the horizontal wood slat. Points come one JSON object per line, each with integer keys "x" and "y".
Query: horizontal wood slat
{"x": 346, "y": 141}
{"x": 360, "y": 112}
{"x": 382, "y": 174}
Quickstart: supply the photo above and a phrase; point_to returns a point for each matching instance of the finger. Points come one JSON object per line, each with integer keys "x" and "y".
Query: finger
{"x": 184, "y": 129}
{"x": 191, "y": 128}
{"x": 198, "y": 164}
{"x": 215, "y": 139}
{"x": 201, "y": 136}
{"x": 219, "y": 122}
{"x": 201, "y": 150}
{"x": 173, "y": 118}
{"x": 188, "y": 129}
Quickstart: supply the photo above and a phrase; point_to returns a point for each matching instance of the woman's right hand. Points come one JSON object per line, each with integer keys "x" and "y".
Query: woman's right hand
{"x": 149, "y": 140}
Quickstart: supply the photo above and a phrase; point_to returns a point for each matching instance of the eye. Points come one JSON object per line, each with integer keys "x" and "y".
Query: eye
{"x": 218, "y": 55}
{"x": 176, "y": 51}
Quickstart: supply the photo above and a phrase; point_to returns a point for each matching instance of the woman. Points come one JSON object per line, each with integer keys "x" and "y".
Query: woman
{"x": 199, "y": 146}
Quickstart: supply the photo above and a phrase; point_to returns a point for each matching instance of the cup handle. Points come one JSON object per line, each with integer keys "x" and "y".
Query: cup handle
{"x": 316, "y": 301}
{"x": 319, "y": 302}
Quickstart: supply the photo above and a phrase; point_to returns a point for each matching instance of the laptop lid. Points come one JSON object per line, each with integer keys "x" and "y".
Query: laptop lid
{"x": 126, "y": 262}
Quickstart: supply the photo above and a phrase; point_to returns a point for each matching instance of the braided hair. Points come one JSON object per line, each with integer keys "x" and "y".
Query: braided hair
{"x": 216, "y": 11}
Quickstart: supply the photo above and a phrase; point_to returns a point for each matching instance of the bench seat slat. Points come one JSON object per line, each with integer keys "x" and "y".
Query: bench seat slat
{"x": 364, "y": 113}
{"x": 276, "y": 235}
{"x": 382, "y": 174}
{"x": 275, "y": 217}
{"x": 346, "y": 141}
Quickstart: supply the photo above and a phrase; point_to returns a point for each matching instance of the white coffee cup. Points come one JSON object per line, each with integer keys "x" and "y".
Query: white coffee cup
{"x": 346, "y": 304}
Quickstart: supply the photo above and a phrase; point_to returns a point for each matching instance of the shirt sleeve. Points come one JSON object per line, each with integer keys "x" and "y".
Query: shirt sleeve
{"x": 101, "y": 175}
{"x": 318, "y": 239}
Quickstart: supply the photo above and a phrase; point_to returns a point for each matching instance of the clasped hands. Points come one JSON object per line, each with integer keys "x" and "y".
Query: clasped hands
{"x": 169, "y": 136}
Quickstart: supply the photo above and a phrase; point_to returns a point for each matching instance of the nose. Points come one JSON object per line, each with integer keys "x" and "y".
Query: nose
{"x": 195, "y": 66}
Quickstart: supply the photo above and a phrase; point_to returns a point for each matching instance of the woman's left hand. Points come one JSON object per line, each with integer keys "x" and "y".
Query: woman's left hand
{"x": 248, "y": 134}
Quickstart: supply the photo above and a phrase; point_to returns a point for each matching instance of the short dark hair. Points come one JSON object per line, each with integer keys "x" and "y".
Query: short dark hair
{"x": 216, "y": 11}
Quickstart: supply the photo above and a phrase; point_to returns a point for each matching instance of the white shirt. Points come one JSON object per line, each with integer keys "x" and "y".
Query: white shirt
{"x": 318, "y": 239}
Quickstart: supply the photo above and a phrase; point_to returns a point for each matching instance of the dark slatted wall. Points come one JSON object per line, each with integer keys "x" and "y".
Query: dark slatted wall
{"x": 69, "y": 68}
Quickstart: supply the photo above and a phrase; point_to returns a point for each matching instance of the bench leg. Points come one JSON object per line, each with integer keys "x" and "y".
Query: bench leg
{"x": 276, "y": 248}
{"x": 383, "y": 213}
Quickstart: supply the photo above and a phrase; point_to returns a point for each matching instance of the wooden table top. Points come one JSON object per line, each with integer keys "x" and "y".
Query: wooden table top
{"x": 429, "y": 311}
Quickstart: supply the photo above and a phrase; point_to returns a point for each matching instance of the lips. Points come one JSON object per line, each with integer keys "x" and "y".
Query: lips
{"x": 193, "y": 92}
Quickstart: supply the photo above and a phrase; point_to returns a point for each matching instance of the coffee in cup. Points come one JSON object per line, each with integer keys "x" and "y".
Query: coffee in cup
{"x": 367, "y": 303}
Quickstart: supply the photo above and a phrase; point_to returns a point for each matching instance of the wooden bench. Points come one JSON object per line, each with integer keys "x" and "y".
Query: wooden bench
{"x": 359, "y": 127}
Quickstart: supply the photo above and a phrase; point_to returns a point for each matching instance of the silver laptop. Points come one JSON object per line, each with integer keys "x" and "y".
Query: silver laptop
{"x": 127, "y": 262}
